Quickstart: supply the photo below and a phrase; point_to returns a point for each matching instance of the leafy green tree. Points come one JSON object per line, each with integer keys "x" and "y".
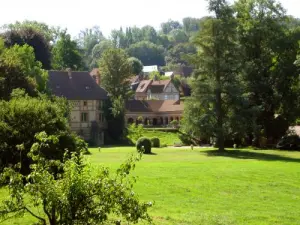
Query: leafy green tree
{"x": 213, "y": 107}
{"x": 270, "y": 43}
{"x": 50, "y": 33}
{"x": 167, "y": 27}
{"x": 19, "y": 69}
{"x": 81, "y": 195}
{"x": 22, "y": 117}
{"x": 119, "y": 39}
{"x": 98, "y": 50}
{"x": 148, "y": 53}
{"x": 135, "y": 132}
{"x": 32, "y": 37}
{"x": 66, "y": 54}
{"x": 136, "y": 64}
{"x": 191, "y": 25}
{"x": 149, "y": 34}
{"x": 178, "y": 54}
{"x": 115, "y": 73}
{"x": 178, "y": 36}
{"x": 87, "y": 40}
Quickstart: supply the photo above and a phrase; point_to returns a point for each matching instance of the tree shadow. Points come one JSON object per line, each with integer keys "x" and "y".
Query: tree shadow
{"x": 240, "y": 154}
{"x": 152, "y": 153}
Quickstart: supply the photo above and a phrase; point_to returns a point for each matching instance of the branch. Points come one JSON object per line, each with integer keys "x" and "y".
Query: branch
{"x": 40, "y": 218}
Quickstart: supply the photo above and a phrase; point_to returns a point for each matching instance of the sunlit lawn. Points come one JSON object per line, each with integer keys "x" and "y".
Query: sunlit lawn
{"x": 204, "y": 187}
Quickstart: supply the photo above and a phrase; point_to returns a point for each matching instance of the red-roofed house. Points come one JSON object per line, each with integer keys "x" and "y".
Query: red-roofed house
{"x": 158, "y": 90}
{"x": 153, "y": 112}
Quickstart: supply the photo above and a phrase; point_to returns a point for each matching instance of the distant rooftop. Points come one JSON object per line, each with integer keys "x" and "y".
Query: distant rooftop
{"x": 149, "y": 69}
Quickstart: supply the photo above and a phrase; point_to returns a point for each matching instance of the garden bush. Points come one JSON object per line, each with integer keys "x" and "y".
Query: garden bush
{"x": 155, "y": 142}
{"x": 144, "y": 145}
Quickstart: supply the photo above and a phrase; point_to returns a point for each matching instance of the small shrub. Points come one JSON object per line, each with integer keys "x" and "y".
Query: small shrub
{"x": 155, "y": 142}
{"x": 144, "y": 144}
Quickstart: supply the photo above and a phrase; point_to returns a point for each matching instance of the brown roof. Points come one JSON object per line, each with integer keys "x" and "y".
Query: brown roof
{"x": 155, "y": 86}
{"x": 154, "y": 106}
{"x": 77, "y": 86}
{"x": 134, "y": 79}
{"x": 143, "y": 86}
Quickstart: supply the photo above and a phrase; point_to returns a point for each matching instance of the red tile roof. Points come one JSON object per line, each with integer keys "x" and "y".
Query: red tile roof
{"x": 155, "y": 86}
{"x": 137, "y": 106}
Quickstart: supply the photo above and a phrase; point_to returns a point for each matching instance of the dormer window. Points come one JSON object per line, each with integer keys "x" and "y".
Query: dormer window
{"x": 57, "y": 86}
{"x": 87, "y": 87}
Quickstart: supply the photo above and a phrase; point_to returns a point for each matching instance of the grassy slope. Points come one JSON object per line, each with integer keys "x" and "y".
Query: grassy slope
{"x": 202, "y": 187}
{"x": 168, "y": 138}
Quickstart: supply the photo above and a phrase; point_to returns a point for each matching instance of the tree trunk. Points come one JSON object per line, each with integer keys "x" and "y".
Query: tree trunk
{"x": 220, "y": 133}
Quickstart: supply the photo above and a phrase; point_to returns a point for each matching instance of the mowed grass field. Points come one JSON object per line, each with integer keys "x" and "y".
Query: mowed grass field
{"x": 205, "y": 187}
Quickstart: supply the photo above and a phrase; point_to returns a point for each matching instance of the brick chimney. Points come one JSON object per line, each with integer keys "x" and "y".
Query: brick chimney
{"x": 95, "y": 73}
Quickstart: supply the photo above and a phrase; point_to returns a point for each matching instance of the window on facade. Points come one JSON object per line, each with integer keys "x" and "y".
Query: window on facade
{"x": 100, "y": 104}
{"x": 85, "y": 103}
{"x": 84, "y": 117}
{"x": 166, "y": 97}
{"x": 101, "y": 117}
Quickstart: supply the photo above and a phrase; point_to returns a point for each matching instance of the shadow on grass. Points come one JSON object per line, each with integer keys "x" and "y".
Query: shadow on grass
{"x": 240, "y": 154}
{"x": 152, "y": 153}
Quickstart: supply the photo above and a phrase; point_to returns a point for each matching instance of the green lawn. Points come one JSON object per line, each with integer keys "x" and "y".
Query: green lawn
{"x": 204, "y": 187}
{"x": 168, "y": 138}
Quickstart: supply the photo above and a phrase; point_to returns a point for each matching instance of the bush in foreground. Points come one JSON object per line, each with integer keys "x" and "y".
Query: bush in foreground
{"x": 22, "y": 118}
{"x": 155, "y": 142}
{"x": 79, "y": 195}
{"x": 143, "y": 145}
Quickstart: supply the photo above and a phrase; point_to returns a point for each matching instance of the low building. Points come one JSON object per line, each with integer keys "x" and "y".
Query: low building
{"x": 153, "y": 112}
{"x": 147, "y": 70}
{"x": 157, "y": 90}
{"x": 87, "y": 100}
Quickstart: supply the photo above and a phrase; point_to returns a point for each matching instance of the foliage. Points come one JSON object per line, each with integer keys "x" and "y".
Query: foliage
{"x": 136, "y": 64}
{"x": 155, "y": 142}
{"x": 19, "y": 69}
{"x": 79, "y": 196}
{"x": 66, "y": 54}
{"x": 169, "y": 26}
{"x": 179, "y": 52}
{"x": 143, "y": 145}
{"x": 23, "y": 117}
{"x": 87, "y": 40}
{"x": 115, "y": 72}
{"x": 149, "y": 53}
{"x": 50, "y": 33}
{"x": 115, "y": 120}
{"x": 215, "y": 108}
{"x": 32, "y": 37}
{"x": 270, "y": 42}
{"x": 98, "y": 50}
{"x": 135, "y": 132}
{"x": 185, "y": 139}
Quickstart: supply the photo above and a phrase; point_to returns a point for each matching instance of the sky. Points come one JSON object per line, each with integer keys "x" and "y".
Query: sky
{"x": 109, "y": 14}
